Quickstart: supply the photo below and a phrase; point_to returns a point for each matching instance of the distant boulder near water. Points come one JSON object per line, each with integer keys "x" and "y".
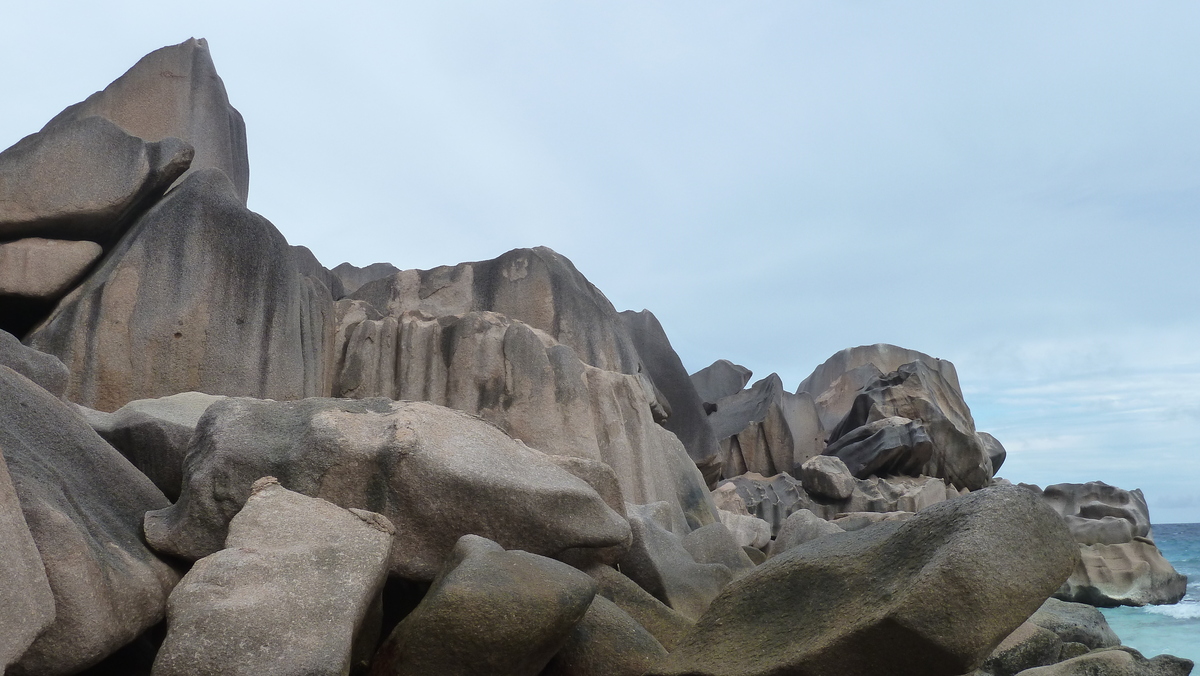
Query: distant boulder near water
{"x": 219, "y": 456}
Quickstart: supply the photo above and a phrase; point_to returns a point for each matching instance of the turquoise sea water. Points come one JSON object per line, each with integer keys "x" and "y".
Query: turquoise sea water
{"x": 1175, "y": 629}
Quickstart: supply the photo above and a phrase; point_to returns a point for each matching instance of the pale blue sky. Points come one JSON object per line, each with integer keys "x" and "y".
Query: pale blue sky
{"x": 1014, "y": 186}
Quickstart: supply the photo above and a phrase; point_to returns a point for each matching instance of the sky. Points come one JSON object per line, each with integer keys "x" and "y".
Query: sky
{"x": 1013, "y": 186}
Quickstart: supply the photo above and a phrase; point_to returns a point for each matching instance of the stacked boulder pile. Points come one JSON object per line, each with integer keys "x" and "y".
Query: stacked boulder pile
{"x": 218, "y": 456}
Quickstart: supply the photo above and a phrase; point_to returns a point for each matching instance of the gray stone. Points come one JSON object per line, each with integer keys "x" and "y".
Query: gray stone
{"x": 1075, "y": 623}
{"x": 920, "y": 393}
{"x": 175, "y": 92}
{"x": 534, "y": 388}
{"x": 766, "y": 429}
{"x": 898, "y": 598}
{"x": 83, "y": 177}
{"x": 1028, "y": 647}
{"x": 43, "y": 269}
{"x": 667, "y": 626}
{"x": 715, "y": 544}
{"x": 489, "y": 612}
{"x": 720, "y": 379}
{"x": 25, "y": 592}
{"x": 606, "y": 642}
{"x": 308, "y": 265}
{"x": 46, "y": 370}
{"x": 748, "y": 531}
{"x": 1127, "y": 574}
{"x": 852, "y": 521}
{"x": 834, "y": 403}
{"x": 886, "y": 447}
{"x": 800, "y": 527}
{"x": 994, "y": 449}
{"x": 774, "y": 498}
{"x": 200, "y": 295}
{"x": 1121, "y": 661}
{"x": 660, "y": 564}
{"x": 687, "y": 419}
{"x": 1097, "y": 500}
{"x": 828, "y": 477}
{"x": 886, "y": 358}
{"x": 289, "y": 594}
{"x": 154, "y": 434}
{"x": 353, "y": 277}
{"x": 435, "y": 473}
{"x": 598, "y": 475}
{"x": 83, "y": 503}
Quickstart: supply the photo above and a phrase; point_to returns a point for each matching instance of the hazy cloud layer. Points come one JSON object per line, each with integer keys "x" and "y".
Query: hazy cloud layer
{"x": 1012, "y": 186}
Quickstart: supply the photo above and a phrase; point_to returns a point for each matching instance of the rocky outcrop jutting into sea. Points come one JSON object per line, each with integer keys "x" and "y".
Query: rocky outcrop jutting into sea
{"x": 218, "y": 456}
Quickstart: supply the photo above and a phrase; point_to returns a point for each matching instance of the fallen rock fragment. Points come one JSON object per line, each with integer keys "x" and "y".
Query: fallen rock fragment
{"x": 606, "y": 642}
{"x": 43, "y": 269}
{"x": 490, "y": 611}
{"x": 899, "y": 598}
{"x": 1028, "y": 647}
{"x": 83, "y": 503}
{"x": 435, "y": 473}
{"x": 827, "y": 476}
{"x": 289, "y": 594}
{"x": 1075, "y": 623}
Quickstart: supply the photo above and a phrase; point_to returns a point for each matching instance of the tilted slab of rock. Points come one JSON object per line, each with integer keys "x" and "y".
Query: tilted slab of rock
{"x": 43, "y": 269}
{"x": 307, "y": 264}
{"x": 1095, "y": 509}
{"x": 83, "y": 177}
{"x": 288, "y": 595}
{"x": 534, "y": 388}
{"x": 687, "y": 418}
{"x": 1127, "y": 574}
{"x": 885, "y": 447}
{"x": 538, "y": 287}
{"x": 720, "y": 379}
{"x": 606, "y": 642}
{"x": 154, "y": 434}
{"x": 353, "y": 277}
{"x": 1122, "y": 661}
{"x": 1028, "y": 647}
{"x": 25, "y": 596}
{"x": 886, "y": 358}
{"x": 800, "y": 527}
{"x": 667, "y": 626}
{"x": 658, "y": 561}
{"x": 83, "y": 503}
{"x": 44, "y": 369}
{"x": 921, "y": 394}
{"x": 1075, "y": 623}
{"x": 176, "y": 92}
{"x": 491, "y": 611}
{"x": 931, "y": 596}
{"x": 435, "y": 473}
{"x": 200, "y": 295}
{"x": 766, "y": 429}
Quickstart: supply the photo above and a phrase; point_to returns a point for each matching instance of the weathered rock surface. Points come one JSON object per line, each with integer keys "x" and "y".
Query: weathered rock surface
{"x": 606, "y": 642}
{"x": 920, "y": 597}
{"x": 1130, "y": 574}
{"x": 667, "y": 626}
{"x": 747, "y": 530}
{"x": 200, "y": 295}
{"x": 83, "y": 503}
{"x": 1075, "y": 623}
{"x": 886, "y": 447}
{"x": 715, "y": 544}
{"x": 766, "y": 429}
{"x": 175, "y": 92}
{"x": 353, "y": 277}
{"x": 25, "y": 596}
{"x": 435, "y": 473}
{"x": 1116, "y": 662}
{"x": 44, "y": 369}
{"x": 153, "y": 434}
{"x": 83, "y": 177}
{"x": 308, "y": 265}
{"x": 534, "y": 388}
{"x": 800, "y": 527}
{"x": 720, "y": 379}
{"x": 537, "y": 287}
{"x": 994, "y": 450}
{"x": 687, "y": 418}
{"x": 43, "y": 269}
{"x": 660, "y": 564}
{"x": 489, "y": 612}
{"x": 289, "y": 594}
{"x": 1028, "y": 647}
{"x": 921, "y": 394}
{"x": 886, "y": 358}
{"x": 827, "y": 476}
{"x": 1119, "y": 563}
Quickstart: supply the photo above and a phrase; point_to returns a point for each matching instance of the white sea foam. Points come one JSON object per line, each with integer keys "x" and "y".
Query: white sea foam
{"x": 1179, "y": 611}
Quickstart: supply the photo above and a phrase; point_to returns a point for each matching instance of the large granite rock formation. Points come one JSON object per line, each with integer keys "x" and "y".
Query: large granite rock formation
{"x": 606, "y": 642}
{"x": 914, "y": 395}
{"x": 490, "y": 611}
{"x": 1120, "y": 661}
{"x": 1119, "y": 563}
{"x": 720, "y": 379}
{"x": 534, "y": 388}
{"x": 83, "y": 177}
{"x": 83, "y": 503}
{"x": 44, "y": 369}
{"x": 353, "y": 277}
{"x": 25, "y": 595}
{"x": 175, "y": 92}
{"x": 289, "y": 594}
{"x": 766, "y": 429}
{"x": 919, "y": 597}
{"x": 43, "y": 269}
{"x": 201, "y": 294}
{"x": 435, "y": 473}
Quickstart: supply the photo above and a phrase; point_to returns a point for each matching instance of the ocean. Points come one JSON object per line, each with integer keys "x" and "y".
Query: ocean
{"x": 1175, "y": 629}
